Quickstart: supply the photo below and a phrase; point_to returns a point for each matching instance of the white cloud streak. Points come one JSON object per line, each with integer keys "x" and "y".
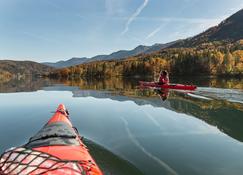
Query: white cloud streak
{"x": 134, "y": 15}
{"x": 203, "y": 23}
{"x": 154, "y": 32}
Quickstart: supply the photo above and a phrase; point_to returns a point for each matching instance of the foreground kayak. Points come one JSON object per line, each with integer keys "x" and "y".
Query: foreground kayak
{"x": 56, "y": 149}
{"x": 168, "y": 86}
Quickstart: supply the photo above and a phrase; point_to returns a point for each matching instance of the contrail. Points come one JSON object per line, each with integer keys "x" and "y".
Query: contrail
{"x": 154, "y": 32}
{"x": 169, "y": 170}
{"x": 204, "y": 22}
{"x": 134, "y": 15}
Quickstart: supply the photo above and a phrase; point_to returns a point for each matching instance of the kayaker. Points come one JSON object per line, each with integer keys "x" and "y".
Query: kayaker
{"x": 163, "y": 78}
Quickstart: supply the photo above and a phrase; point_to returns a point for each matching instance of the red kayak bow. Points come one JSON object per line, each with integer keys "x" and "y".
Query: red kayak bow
{"x": 56, "y": 149}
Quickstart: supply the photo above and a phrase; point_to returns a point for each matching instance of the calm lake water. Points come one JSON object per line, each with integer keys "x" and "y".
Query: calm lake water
{"x": 136, "y": 131}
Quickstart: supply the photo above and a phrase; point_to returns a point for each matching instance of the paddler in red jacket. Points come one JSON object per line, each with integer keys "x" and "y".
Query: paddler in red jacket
{"x": 163, "y": 78}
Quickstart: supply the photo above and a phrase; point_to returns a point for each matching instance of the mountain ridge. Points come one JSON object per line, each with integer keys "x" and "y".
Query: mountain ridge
{"x": 66, "y": 63}
{"x": 121, "y": 54}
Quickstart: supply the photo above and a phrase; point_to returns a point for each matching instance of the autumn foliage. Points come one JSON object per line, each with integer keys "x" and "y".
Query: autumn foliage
{"x": 213, "y": 58}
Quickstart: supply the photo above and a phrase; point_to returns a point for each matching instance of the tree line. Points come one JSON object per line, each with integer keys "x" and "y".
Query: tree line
{"x": 212, "y": 58}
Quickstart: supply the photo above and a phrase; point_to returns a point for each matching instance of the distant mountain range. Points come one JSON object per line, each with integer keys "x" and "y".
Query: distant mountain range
{"x": 71, "y": 62}
{"x": 141, "y": 49}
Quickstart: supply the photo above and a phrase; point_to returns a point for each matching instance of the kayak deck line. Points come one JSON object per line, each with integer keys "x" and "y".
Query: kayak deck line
{"x": 56, "y": 149}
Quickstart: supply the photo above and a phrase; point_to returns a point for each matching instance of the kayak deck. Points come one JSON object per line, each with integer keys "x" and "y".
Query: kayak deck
{"x": 56, "y": 149}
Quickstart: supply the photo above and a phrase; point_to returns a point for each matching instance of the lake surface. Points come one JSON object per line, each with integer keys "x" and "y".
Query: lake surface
{"x": 132, "y": 130}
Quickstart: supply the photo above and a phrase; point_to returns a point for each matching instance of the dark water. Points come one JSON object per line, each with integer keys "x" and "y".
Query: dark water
{"x": 136, "y": 131}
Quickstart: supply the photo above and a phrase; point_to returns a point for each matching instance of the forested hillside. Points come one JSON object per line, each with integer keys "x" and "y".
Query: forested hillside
{"x": 214, "y": 58}
{"x": 10, "y": 69}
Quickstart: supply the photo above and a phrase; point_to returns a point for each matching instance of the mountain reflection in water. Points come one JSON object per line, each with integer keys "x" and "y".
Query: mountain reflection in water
{"x": 143, "y": 131}
{"x": 214, "y": 107}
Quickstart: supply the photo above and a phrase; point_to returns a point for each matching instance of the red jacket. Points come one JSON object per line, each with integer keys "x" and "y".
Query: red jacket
{"x": 164, "y": 79}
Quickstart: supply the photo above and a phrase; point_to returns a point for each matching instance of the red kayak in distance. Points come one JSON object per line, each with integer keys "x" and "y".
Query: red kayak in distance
{"x": 56, "y": 149}
{"x": 168, "y": 86}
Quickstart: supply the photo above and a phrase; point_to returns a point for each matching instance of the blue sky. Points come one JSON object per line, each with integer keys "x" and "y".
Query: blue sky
{"x": 51, "y": 30}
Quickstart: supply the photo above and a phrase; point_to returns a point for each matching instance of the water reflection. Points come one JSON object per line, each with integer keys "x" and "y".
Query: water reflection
{"x": 110, "y": 163}
{"x": 223, "y": 113}
{"x": 32, "y": 84}
{"x": 27, "y": 84}
{"x": 160, "y": 132}
{"x": 162, "y": 93}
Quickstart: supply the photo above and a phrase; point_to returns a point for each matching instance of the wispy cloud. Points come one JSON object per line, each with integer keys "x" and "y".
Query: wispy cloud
{"x": 154, "y": 32}
{"x": 168, "y": 20}
{"x": 202, "y": 23}
{"x": 134, "y": 15}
